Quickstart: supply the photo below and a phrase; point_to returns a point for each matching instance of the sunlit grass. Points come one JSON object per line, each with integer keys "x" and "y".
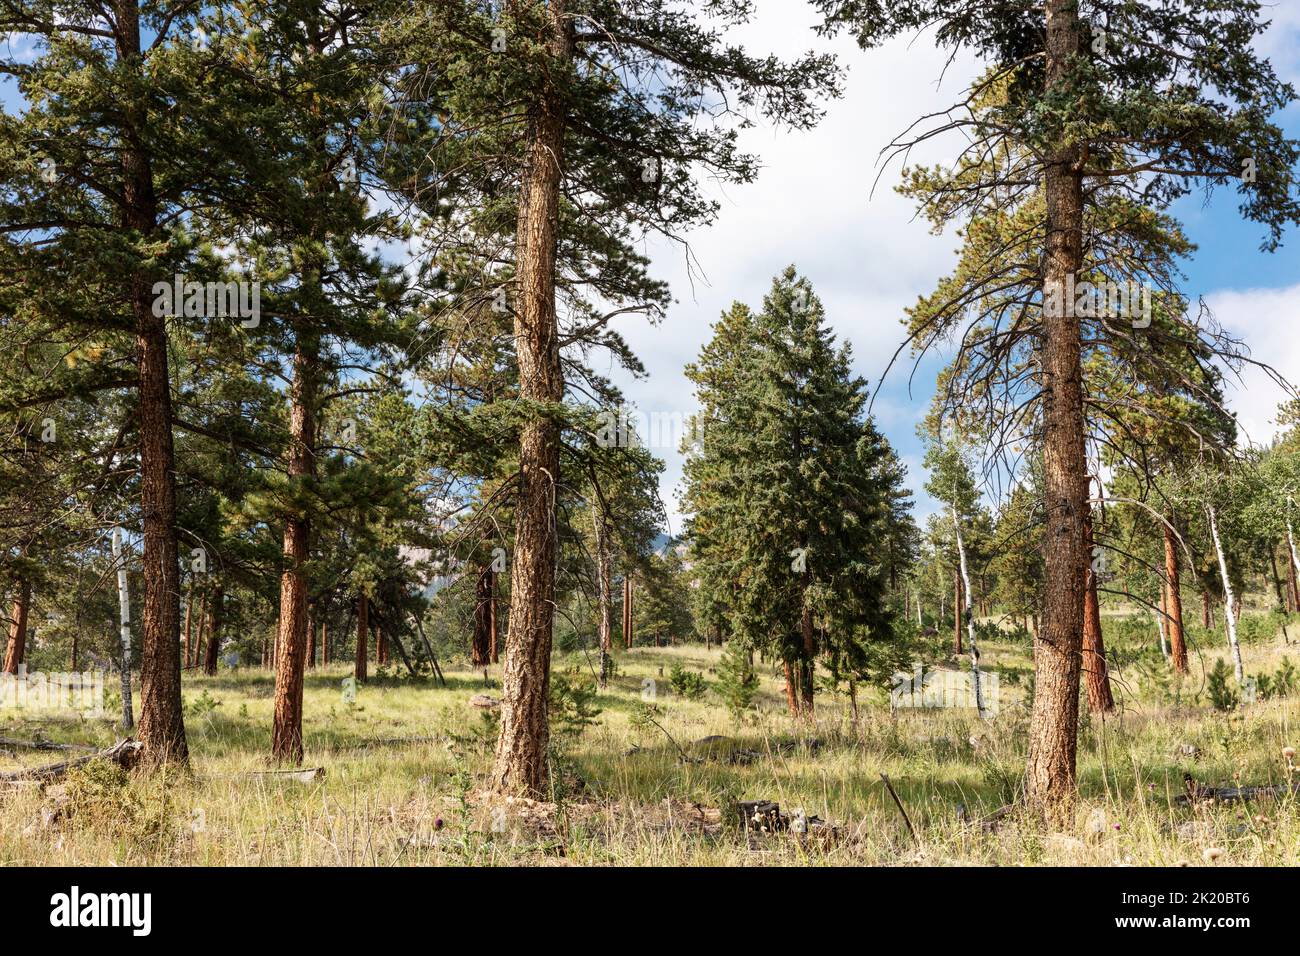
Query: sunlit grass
{"x": 405, "y": 764}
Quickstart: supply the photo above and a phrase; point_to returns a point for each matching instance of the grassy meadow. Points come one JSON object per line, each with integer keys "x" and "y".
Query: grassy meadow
{"x": 405, "y": 765}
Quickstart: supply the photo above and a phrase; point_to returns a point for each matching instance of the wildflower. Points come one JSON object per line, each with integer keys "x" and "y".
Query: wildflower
{"x": 1211, "y": 853}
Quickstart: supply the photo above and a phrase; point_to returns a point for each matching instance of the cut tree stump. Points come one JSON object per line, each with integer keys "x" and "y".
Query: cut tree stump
{"x": 484, "y": 702}
{"x": 123, "y": 753}
{"x": 762, "y": 815}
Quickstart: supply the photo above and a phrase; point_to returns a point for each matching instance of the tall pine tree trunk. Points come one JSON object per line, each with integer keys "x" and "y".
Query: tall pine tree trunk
{"x": 291, "y": 641}
{"x": 808, "y": 658}
{"x": 1174, "y": 604}
{"x": 162, "y": 723}
{"x": 311, "y": 642}
{"x": 1096, "y": 673}
{"x": 188, "y": 628}
{"x": 1053, "y": 735}
{"x": 520, "y": 765}
{"x": 791, "y": 690}
{"x": 493, "y": 650}
{"x": 16, "y": 650}
{"x": 216, "y": 612}
{"x": 1230, "y": 615}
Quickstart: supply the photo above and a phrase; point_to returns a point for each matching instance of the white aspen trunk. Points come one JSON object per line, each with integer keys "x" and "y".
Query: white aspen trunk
{"x": 124, "y": 616}
{"x": 1230, "y": 616}
{"x": 970, "y": 616}
{"x": 919, "y": 622}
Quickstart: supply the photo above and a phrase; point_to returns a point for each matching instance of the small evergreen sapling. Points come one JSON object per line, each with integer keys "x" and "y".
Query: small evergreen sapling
{"x": 737, "y": 682}
{"x": 1223, "y": 696}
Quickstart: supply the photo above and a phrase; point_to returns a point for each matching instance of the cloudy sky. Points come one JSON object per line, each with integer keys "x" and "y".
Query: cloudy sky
{"x": 868, "y": 257}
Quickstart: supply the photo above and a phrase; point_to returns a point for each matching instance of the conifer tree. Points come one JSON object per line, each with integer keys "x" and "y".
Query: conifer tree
{"x": 791, "y": 489}
{"x": 571, "y": 128}
{"x": 1140, "y": 100}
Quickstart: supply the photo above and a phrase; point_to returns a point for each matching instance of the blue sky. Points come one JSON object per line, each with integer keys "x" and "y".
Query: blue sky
{"x": 868, "y": 257}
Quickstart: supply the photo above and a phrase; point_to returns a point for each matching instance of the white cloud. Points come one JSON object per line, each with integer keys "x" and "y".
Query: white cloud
{"x": 1265, "y": 319}
{"x": 812, "y": 205}
{"x": 867, "y": 255}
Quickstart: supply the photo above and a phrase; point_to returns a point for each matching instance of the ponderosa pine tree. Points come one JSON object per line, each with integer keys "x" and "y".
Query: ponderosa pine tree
{"x": 97, "y": 175}
{"x": 291, "y": 76}
{"x": 1143, "y": 99}
{"x": 570, "y": 128}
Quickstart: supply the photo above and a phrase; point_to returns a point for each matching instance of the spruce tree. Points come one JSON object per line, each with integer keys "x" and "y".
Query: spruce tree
{"x": 791, "y": 489}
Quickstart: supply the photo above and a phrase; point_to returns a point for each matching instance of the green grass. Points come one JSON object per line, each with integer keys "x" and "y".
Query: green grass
{"x": 624, "y": 795}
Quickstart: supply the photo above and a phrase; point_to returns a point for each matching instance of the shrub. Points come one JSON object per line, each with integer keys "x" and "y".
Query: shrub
{"x": 1223, "y": 696}
{"x": 687, "y": 684}
{"x": 573, "y": 703}
{"x": 737, "y": 682}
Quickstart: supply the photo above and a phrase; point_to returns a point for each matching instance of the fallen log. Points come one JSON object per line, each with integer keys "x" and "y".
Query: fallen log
{"x": 384, "y": 742}
{"x": 123, "y": 753}
{"x": 296, "y": 776}
{"x": 1199, "y": 792}
{"x": 41, "y": 745}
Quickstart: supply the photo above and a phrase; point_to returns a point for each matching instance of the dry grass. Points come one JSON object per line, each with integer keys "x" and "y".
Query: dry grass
{"x": 624, "y": 795}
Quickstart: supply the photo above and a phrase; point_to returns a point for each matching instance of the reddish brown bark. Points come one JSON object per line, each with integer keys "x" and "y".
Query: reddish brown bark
{"x": 162, "y": 724}
{"x": 311, "y": 643}
{"x": 791, "y": 693}
{"x": 520, "y": 764}
{"x": 1174, "y": 605}
{"x": 1050, "y": 780}
{"x": 201, "y": 631}
{"x": 1207, "y": 615}
{"x": 16, "y": 650}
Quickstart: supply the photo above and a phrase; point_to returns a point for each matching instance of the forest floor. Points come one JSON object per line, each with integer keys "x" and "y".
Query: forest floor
{"x": 406, "y": 761}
